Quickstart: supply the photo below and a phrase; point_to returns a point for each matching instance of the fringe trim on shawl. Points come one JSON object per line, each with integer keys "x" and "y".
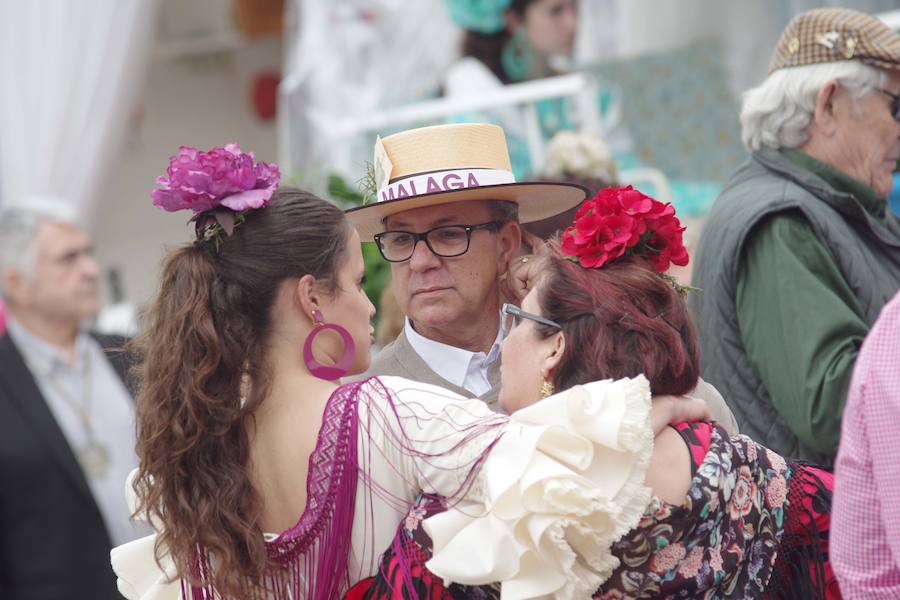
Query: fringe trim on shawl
{"x": 799, "y": 570}
{"x": 323, "y": 531}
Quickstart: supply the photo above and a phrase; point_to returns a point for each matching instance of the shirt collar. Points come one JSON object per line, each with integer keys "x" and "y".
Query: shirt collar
{"x": 448, "y": 361}
{"x": 42, "y": 355}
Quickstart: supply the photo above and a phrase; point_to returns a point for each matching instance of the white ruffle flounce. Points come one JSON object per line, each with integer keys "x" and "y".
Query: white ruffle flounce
{"x": 556, "y": 496}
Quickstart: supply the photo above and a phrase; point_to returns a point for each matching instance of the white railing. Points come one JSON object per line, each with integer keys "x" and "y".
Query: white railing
{"x": 581, "y": 87}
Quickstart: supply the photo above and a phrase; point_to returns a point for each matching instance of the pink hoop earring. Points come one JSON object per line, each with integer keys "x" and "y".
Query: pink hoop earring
{"x": 342, "y": 366}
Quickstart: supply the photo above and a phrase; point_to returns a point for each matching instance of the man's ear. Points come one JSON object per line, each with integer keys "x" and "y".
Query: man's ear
{"x": 823, "y": 116}
{"x": 554, "y": 356}
{"x": 510, "y": 238}
{"x": 16, "y": 287}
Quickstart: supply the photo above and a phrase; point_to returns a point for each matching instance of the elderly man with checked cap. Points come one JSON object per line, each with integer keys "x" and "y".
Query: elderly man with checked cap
{"x": 447, "y": 217}
{"x": 799, "y": 253}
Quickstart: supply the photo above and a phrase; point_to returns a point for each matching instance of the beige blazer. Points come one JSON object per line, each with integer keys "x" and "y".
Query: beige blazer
{"x": 400, "y": 359}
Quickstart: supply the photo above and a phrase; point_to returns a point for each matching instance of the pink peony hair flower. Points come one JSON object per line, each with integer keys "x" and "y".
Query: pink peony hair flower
{"x": 221, "y": 177}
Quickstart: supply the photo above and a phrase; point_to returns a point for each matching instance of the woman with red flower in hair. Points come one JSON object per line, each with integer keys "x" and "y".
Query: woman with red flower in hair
{"x": 728, "y": 518}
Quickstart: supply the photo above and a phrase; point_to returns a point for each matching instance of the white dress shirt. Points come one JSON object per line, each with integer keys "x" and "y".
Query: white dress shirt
{"x": 460, "y": 367}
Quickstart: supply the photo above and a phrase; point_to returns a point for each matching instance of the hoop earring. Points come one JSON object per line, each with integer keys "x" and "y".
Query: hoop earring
{"x": 516, "y": 56}
{"x": 342, "y": 366}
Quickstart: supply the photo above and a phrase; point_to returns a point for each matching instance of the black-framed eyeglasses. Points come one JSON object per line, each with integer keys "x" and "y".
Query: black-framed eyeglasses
{"x": 446, "y": 241}
{"x": 895, "y": 103}
{"x": 513, "y": 315}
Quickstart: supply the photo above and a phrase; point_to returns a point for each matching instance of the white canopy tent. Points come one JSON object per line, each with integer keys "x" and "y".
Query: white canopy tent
{"x": 69, "y": 73}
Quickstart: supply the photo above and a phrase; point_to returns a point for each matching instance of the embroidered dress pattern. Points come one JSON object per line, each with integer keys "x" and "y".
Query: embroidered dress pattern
{"x": 402, "y": 574}
{"x": 748, "y": 528}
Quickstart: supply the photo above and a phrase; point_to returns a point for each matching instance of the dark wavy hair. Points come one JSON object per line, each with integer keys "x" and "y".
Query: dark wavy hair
{"x": 620, "y": 320}
{"x": 487, "y": 47}
{"x": 205, "y": 330}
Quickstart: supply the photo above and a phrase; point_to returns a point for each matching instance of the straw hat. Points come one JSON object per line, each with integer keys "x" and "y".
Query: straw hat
{"x": 453, "y": 163}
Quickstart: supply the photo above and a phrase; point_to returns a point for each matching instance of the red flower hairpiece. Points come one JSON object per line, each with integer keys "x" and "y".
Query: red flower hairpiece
{"x": 622, "y": 220}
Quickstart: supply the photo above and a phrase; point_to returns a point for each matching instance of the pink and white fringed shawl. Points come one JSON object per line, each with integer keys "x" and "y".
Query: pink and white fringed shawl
{"x": 313, "y": 554}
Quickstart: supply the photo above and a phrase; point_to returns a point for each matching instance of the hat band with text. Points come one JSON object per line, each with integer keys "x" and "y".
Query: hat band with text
{"x": 443, "y": 181}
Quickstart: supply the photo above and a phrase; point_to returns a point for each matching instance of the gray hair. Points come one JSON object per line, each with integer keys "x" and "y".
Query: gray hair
{"x": 504, "y": 210}
{"x": 777, "y": 112}
{"x": 18, "y": 229}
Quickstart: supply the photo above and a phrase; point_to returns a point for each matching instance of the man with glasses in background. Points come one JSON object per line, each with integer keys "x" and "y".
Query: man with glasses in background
{"x": 446, "y": 217}
{"x": 799, "y": 253}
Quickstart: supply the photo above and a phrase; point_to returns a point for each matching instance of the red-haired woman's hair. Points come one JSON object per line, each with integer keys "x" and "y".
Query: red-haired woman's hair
{"x": 620, "y": 320}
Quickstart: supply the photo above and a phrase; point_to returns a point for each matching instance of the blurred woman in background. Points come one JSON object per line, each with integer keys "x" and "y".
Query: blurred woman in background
{"x": 511, "y": 41}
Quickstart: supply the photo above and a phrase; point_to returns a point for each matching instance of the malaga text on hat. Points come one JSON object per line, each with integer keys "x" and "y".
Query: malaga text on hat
{"x": 453, "y": 163}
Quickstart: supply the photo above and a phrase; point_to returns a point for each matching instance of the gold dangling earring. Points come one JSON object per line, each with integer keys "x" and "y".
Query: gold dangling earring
{"x": 244, "y": 388}
{"x": 547, "y": 389}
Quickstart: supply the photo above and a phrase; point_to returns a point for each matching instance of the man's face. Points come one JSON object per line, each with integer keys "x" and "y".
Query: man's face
{"x": 442, "y": 293}
{"x": 867, "y": 140}
{"x": 65, "y": 284}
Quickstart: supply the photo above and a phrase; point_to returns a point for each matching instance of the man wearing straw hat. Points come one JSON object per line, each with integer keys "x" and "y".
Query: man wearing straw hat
{"x": 799, "y": 253}
{"x": 447, "y": 217}
{"x": 451, "y": 187}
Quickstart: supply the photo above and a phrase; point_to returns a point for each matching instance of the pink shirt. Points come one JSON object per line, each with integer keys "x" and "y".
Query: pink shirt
{"x": 865, "y": 530}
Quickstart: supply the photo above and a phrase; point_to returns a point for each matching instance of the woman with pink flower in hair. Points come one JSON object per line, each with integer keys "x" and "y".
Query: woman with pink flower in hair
{"x": 728, "y": 518}
{"x": 264, "y": 477}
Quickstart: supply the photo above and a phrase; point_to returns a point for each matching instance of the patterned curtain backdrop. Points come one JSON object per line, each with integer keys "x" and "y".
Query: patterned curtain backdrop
{"x": 68, "y": 74}
{"x": 614, "y": 29}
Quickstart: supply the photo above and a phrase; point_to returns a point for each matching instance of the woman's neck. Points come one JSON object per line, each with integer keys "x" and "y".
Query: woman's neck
{"x": 291, "y": 394}
{"x": 540, "y": 68}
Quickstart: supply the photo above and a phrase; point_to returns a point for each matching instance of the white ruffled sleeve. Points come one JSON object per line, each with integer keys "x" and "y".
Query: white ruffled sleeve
{"x": 138, "y": 576}
{"x": 540, "y": 496}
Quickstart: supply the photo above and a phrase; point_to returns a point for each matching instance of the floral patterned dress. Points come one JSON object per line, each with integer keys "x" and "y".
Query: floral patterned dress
{"x": 752, "y": 525}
